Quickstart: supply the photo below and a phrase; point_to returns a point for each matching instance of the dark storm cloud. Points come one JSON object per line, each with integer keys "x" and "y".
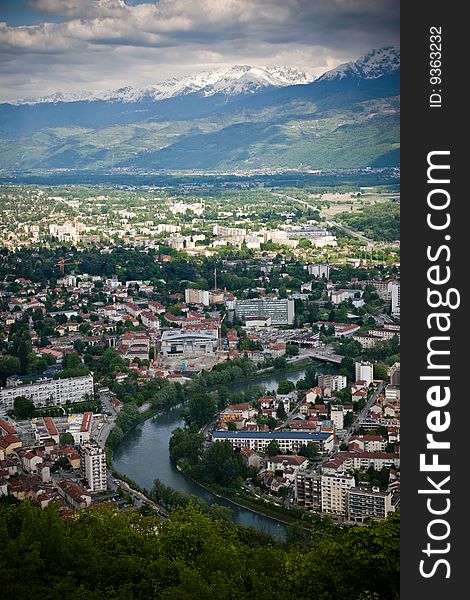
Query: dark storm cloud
{"x": 121, "y": 43}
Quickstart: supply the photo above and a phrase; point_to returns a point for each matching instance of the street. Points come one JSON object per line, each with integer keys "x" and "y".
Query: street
{"x": 364, "y": 412}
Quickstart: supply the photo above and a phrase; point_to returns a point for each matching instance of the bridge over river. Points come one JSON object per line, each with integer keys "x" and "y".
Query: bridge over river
{"x": 323, "y": 353}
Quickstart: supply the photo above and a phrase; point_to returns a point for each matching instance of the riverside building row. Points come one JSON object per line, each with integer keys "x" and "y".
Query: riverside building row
{"x": 289, "y": 441}
{"x": 338, "y": 495}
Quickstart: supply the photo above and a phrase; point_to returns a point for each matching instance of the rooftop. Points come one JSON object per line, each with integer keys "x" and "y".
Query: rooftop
{"x": 270, "y": 435}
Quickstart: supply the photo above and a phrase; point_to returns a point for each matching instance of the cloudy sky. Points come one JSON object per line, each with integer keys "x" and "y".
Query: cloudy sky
{"x": 70, "y": 45}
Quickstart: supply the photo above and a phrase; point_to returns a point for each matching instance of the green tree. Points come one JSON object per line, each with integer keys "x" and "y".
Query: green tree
{"x": 310, "y": 451}
{"x": 292, "y": 350}
{"x": 280, "y": 363}
{"x": 9, "y": 365}
{"x": 285, "y": 386}
{"x": 281, "y": 411}
{"x": 201, "y": 409}
{"x": 221, "y": 464}
{"x": 273, "y": 448}
{"x": 311, "y": 376}
{"x": 67, "y": 439}
{"x": 380, "y": 371}
{"x": 23, "y": 408}
{"x": 61, "y": 463}
{"x": 186, "y": 444}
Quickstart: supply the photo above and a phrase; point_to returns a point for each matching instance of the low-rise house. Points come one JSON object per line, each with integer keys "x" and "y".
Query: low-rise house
{"x": 289, "y": 465}
{"x": 236, "y": 411}
{"x": 8, "y": 444}
{"x": 74, "y": 494}
{"x": 367, "y": 443}
{"x": 31, "y": 459}
{"x": 250, "y": 458}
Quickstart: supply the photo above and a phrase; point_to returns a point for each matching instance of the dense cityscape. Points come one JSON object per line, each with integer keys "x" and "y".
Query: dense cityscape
{"x": 199, "y": 300}
{"x": 104, "y": 325}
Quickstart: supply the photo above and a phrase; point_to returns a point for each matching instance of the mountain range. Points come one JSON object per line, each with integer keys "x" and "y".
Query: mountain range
{"x": 239, "y": 79}
{"x": 241, "y": 117}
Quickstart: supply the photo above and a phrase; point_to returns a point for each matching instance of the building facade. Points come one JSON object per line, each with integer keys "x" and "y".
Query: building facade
{"x": 192, "y": 296}
{"x": 281, "y": 311}
{"x": 289, "y": 441}
{"x": 395, "y": 288}
{"x": 189, "y": 343}
{"x": 368, "y": 504}
{"x": 307, "y": 490}
{"x": 319, "y": 270}
{"x": 334, "y": 493}
{"x": 364, "y": 372}
{"x": 50, "y": 392}
{"x": 334, "y": 382}
{"x": 93, "y": 467}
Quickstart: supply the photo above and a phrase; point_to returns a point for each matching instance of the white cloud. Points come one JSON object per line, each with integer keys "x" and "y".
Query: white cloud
{"x": 111, "y": 42}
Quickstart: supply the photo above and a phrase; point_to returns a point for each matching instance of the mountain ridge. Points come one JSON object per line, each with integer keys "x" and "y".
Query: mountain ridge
{"x": 349, "y": 119}
{"x": 238, "y": 79}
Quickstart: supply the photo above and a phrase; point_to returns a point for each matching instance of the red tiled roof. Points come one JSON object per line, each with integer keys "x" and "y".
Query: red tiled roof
{"x": 6, "y": 427}
{"x": 86, "y": 422}
{"x": 50, "y": 426}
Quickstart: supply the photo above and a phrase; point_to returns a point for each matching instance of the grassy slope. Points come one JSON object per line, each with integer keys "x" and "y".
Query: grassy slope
{"x": 293, "y": 135}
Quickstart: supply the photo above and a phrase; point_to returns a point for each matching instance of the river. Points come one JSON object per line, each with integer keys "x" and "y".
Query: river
{"x": 143, "y": 455}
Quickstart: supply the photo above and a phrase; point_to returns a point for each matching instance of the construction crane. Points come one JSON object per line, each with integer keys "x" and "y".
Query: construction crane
{"x": 65, "y": 261}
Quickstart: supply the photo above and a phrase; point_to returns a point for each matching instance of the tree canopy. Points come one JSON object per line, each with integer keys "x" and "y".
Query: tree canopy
{"x": 104, "y": 554}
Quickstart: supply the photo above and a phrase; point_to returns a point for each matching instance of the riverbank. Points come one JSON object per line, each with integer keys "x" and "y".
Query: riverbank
{"x": 265, "y": 508}
{"x": 293, "y": 366}
{"x": 151, "y": 439}
{"x": 142, "y": 417}
{"x": 239, "y": 502}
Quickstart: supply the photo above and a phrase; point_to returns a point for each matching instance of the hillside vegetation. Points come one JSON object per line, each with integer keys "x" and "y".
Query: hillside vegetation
{"x": 104, "y": 554}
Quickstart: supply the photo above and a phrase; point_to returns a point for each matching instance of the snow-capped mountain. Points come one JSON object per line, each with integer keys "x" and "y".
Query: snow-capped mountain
{"x": 240, "y": 79}
{"x": 233, "y": 81}
{"x": 372, "y": 65}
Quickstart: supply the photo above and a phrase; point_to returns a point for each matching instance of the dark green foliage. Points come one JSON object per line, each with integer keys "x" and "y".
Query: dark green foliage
{"x": 292, "y": 349}
{"x": 186, "y": 444}
{"x": 273, "y": 448}
{"x": 285, "y": 386}
{"x": 9, "y": 365}
{"x": 23, "y": 408}
{"x": 201, "y": 409}
{"x": 310, "y": 451}
{"x": 220, "y": 464}
{"x": 378, "y": 222}
{"x": 103, "y": 554}
{"x": 67, "y": 438}
{"x": 281, "y": 411}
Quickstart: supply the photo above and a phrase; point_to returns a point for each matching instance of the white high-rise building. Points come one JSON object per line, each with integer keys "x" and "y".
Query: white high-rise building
{"x": 365, "y": 372}
{"x": 193, "y": 296}
{"x": 334, "y": 493}
{"x": 334, "y": 382}
{"x": 395, "y": 298}
{"x": 93, "y": 467}
{"x": 319, "y": 270}
{"x": 337, "y": 416}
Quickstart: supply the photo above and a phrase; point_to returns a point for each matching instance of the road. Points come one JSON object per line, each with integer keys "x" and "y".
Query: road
{"x": 139, "y": 498}
{"x": 364, "y": 412}
{"x": 103, "y": 433}
{"x": 347, "y": 230}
